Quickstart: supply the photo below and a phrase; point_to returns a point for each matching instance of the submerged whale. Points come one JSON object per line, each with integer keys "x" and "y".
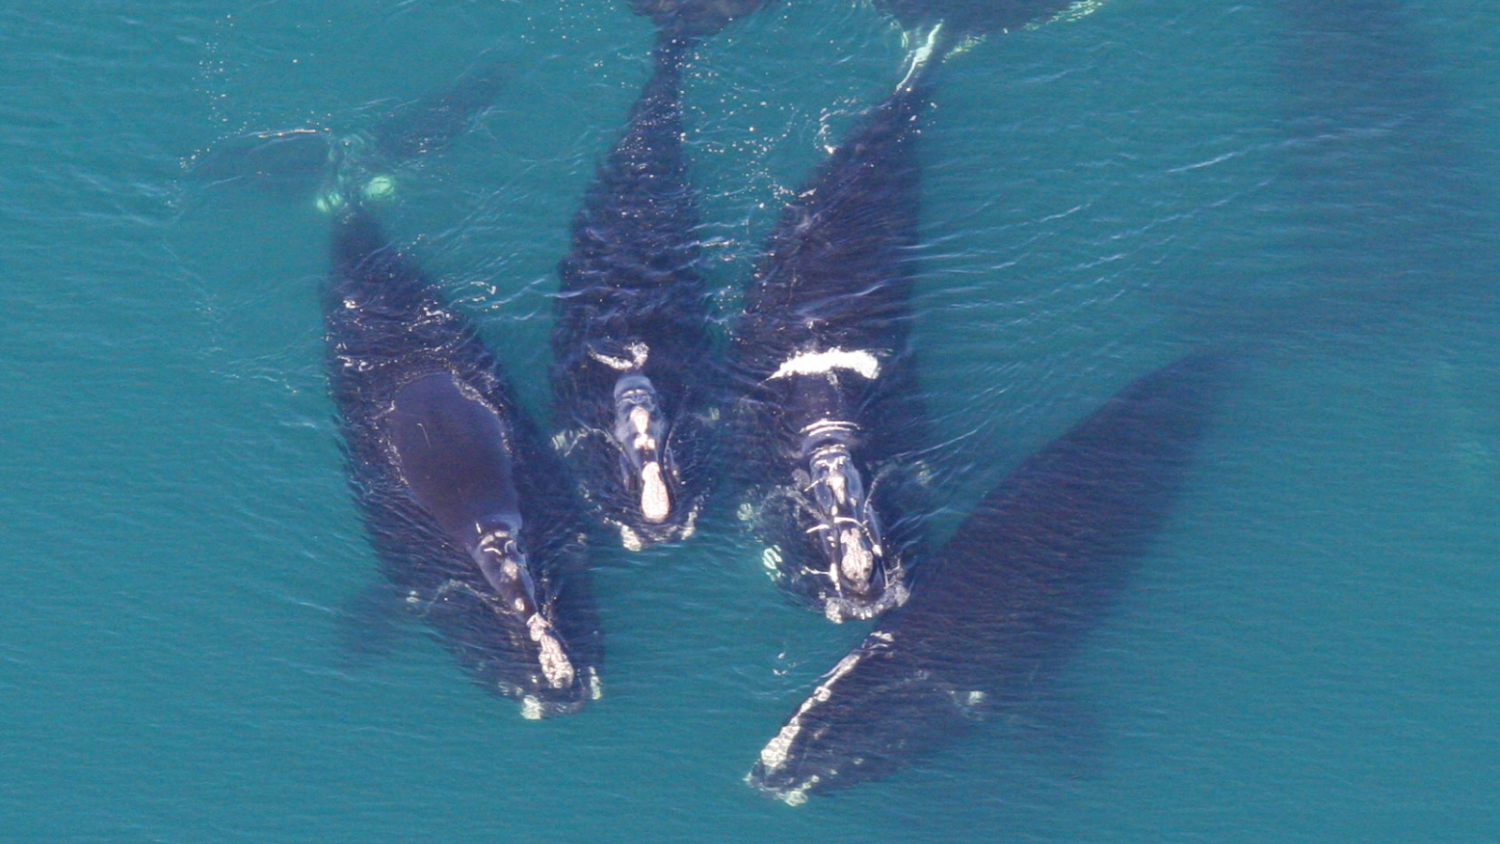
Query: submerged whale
{"x": 635, "y": 383}
{"x": 830, "y": 422}
{"x": 467, "y": 507}
{"x": 1008, "y": 598}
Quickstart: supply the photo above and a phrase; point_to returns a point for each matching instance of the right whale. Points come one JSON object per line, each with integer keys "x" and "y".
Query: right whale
{"x": 465, "y": 504}
{"x": 831, "y": 424}
{"x": 830, "y": 416}
{"x": 634, "y": 383}
{"x": 1009, "y": 597}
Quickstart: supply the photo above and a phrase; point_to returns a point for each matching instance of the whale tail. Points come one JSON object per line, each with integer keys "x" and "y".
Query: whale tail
{"x": 431, "y": 122}
{"x": 306, "y": 161}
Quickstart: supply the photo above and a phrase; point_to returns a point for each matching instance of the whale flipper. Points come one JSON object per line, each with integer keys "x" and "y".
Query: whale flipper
{"x": 1009, "y": 597}
{"x": 433, "y": 121}
{"x": 291, "y": 162}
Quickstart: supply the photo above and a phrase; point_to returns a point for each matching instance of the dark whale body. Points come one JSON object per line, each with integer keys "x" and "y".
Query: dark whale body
{"x": 468, "y": 509}
{"x": 831, "y": 419}
{"x": 631, "y": 337}
{"x": 635, "y": 382}
{"x": 1010, "y": 595}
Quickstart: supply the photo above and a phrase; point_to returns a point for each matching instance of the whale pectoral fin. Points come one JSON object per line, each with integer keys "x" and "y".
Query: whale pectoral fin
{"x": 429, "y": 124}
{"x": 371, "y": 624}
{"x": 292, "y": 162}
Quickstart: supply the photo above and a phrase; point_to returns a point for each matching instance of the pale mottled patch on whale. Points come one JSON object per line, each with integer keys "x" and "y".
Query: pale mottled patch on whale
{"x": 824, "y": 362}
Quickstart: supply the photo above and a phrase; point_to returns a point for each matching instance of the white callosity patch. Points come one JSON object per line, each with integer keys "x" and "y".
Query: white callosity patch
{"x": 773, "y": 755}
{"x": 638, "y": 353}
{"x": 556, "y": 666}
{"x": 858, "y": 564}
{"x": 771, "y": 557}
{"x": 798, "y": 796}
{"x": 531, "y": 708}
{"x": 826, "y": 362}
{"x": 630, "y": 539}
{"x": 1081, "y": 9}
{"x": 640, "y": 422}
{"x": 655, "y": 503}
{"x": 921, "y": 55}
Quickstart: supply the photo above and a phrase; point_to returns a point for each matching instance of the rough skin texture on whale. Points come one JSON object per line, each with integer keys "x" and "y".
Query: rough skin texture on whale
{"x": 635, "y": 381}
{"x": 390, "y": 341}
{"x": 831, "y": 411}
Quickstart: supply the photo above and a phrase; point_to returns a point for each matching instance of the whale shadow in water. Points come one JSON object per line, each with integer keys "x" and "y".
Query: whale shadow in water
{"x": 1382, "y": 202}
{"x": 1009, "y": 597}
{"x": 468, "y": 509}
{"x": 635, "y": 384}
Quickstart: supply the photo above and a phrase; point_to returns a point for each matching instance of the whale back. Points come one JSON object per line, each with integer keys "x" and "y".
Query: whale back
{"x": 634, "y": 305}
{"x": 838, "y": 261}
{"x": 453, "y": 453}
{"x": 824, "y": 338}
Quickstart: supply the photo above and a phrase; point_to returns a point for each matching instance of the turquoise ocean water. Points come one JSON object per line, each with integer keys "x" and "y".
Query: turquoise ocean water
{"x": 1309, "y": 652}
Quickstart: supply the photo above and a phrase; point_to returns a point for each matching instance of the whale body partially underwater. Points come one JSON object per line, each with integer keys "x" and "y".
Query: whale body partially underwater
{"x": 636, "y": 384}
{"x": 832, "y": 432}
{"x": 1008, "y": 598}
{"x": 475, "y": 526}
{"x": 467, "y": 506}
{"x": 831, "y": 421}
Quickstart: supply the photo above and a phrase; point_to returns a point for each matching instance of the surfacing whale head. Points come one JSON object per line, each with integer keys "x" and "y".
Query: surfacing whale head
{"x": 640, "y": 430}
{"x": 550, "y": 683}
{"x": 860, "y": 578}
{"x": 452, "y": 449}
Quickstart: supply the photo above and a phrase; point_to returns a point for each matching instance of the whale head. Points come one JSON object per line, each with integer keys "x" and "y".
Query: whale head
{"x": 498, "y": 554}
{"x": 640, "y": 432}
{"x": 847, "y": 533}
{"x": 550, "y": 682}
